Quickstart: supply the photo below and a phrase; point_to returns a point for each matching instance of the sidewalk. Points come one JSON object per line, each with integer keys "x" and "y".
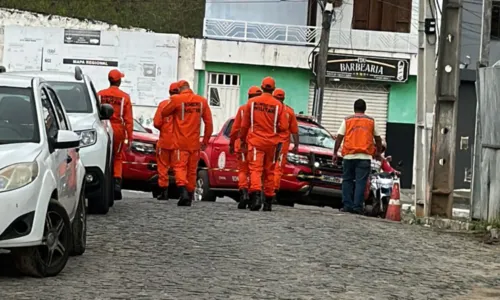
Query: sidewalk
{"x": 461, "y": 202}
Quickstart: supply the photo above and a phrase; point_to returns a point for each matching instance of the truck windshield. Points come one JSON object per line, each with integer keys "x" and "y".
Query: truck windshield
{"x": 74, "y": 96}
{"x": 18, "y": 119}
{"x": 315, "y": 136}
{"x": 138, "y": 127}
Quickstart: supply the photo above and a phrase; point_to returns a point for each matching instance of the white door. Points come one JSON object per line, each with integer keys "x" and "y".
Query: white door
{"x": 70, "y": 176}
{"x": 339, "y": 98}
{"x": 59, "y": 158}
{"x": 223, "y": 94}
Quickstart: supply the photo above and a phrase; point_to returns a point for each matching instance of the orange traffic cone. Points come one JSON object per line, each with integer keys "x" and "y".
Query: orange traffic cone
{"x": 394, "y": 208}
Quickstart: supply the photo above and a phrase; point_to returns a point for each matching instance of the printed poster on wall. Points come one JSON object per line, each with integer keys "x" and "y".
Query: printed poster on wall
{"x": 149, "y": 60}
{"x": 23, "y": 47}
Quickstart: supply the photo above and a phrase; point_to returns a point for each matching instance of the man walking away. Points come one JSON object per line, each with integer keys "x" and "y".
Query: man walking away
{"x": 166, "y": 144}
{"x": 122, "y": 122}
{"x": 235, "y": 146}
{"x": 188, "y": 109}
{"x": 358, "y": 133}
{"x": 264, "y": 118}
{"x": 293, "y": 129}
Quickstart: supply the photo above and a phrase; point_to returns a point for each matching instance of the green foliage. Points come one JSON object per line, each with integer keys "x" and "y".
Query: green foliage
{"x": 184, "y": 17}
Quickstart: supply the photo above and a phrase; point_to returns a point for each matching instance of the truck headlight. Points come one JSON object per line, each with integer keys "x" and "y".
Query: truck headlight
{"x": 87, "y": 137}
{"x": 17, "y": 175}
{"x": 141, "y": 147}
{"x": 297, "y": 158}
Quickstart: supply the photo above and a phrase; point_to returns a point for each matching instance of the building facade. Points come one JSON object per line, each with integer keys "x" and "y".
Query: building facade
{"x": 373, "y": 47}
{"x": 469, "y": 52}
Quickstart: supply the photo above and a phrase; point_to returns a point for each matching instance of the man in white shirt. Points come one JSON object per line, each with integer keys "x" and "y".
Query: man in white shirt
{"x": 361, "y": 142}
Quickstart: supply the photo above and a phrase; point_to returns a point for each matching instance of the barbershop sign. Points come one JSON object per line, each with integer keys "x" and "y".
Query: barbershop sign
{"x": 365, "y": 68}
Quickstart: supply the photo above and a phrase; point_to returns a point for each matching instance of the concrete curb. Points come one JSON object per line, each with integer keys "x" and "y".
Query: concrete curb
{"x": 457, "y": 212}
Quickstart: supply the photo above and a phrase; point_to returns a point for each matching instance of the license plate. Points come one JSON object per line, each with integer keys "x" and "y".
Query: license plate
{"x": 332, "y": 179}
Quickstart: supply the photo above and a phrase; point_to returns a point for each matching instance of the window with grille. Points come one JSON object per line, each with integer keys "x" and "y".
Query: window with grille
{"x": 218, "y": 80}
{"x": 382, "y": 15}
{"x": 223, "y": 79}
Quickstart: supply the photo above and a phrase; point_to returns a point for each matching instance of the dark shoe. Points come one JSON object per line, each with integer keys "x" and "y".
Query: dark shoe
{"x": 118, "y": 189}
{"x": 256, "y": 201}
{"x": 163, "y": 195}
{"x": 184, "y": 199}
{"x": 275, "y": 198}
{"x": 346, "y": 210}
{"x": 244, "y": 199}
{"x": 268, "y": 203}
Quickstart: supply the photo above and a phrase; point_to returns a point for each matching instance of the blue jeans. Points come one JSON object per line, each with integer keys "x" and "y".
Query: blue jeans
{"x": 355, "y": 174}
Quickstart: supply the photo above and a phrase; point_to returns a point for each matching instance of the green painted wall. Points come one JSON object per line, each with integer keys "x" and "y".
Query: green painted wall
{"x": 295, "y": 82}
{"x": 403, "y": 102}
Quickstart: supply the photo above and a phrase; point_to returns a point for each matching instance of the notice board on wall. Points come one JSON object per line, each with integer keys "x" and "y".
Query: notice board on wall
{"x": 148, "y": 60}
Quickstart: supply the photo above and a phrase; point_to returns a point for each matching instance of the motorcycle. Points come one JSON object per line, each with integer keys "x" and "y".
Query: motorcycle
{"x": 378, "y": 194}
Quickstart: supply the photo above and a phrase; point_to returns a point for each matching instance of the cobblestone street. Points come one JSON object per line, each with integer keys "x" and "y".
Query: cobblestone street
{"x": 145, "y": 249}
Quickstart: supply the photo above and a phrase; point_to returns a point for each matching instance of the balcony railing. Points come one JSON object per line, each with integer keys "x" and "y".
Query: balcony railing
{"x": 343, "y": 38}
{"x": 261, "y": 32}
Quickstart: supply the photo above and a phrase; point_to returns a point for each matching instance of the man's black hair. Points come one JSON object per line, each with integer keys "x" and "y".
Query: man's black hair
{"x": 115, "y": 83}
{"x": 269, "y": 91}
{"x": 360, "y": 106}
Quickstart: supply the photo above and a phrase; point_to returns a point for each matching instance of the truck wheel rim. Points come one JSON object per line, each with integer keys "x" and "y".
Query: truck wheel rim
{"x": 198, "y": 193}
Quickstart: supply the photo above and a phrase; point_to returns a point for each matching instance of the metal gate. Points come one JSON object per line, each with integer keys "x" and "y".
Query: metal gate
{"x": 338, "y": 103}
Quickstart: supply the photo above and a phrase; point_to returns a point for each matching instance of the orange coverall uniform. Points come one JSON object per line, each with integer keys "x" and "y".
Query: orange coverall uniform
{"x": 293, "y": 128}
{"x": 166, "y": 146}
{"x": 240, "y": 154}
{"x": 122, "y": 122}
{"x": 264, "y": 117}
{"x": 187, "y": 110}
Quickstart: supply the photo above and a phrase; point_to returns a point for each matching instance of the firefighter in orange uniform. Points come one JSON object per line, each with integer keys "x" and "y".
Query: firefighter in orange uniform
{"x": 263, "y": 119}
{"x": 187, "y": 110}
{"x": 235, "y": 146}
{"x": 293, "y": 129}
{"x": 122, "y": 122}
{"x": 166, "y": 145}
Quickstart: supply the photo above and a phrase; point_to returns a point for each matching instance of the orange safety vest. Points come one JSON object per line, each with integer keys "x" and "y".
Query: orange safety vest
{"x": 359, "y": 135}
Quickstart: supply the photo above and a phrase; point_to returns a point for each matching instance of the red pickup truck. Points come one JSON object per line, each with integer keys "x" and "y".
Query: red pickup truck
{"x": 310, "y": 177}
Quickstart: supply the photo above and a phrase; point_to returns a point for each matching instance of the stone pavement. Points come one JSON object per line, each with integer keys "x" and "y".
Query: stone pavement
{"x": 144, "y": 249}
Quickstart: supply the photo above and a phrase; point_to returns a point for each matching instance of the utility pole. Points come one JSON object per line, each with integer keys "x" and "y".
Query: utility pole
{"x": 442, "y": 160}
{"x": 426, "y": 98}
{"x": 327, "y": 7}
{"x": 484, "y": 55}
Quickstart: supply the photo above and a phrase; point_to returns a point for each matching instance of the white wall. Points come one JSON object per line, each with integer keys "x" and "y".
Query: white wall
{"x": 274, "y": 55}
{"x": 21, "y": 18}
{"x": 265, "y": 11}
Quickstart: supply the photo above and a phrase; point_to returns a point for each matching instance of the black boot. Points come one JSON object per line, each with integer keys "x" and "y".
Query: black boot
{"x": 184, "y": 199}
{"x": 163, "y": 195}
{"x": 244, "y": 199}
{"x": 268, "y": 203}
{"x": 118, "y": 189}
{"x": 256, "y": 201}
{"x": 275, "y": 198}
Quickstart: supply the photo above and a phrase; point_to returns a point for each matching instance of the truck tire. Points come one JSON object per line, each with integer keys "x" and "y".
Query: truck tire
{"x": 100, "y": 205}
{"x": 203, "y": 191}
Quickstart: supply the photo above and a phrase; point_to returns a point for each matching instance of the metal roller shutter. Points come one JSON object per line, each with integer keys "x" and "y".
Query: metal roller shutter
{"x": 311, "y": 98}
{"x": 339, "y": 100}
